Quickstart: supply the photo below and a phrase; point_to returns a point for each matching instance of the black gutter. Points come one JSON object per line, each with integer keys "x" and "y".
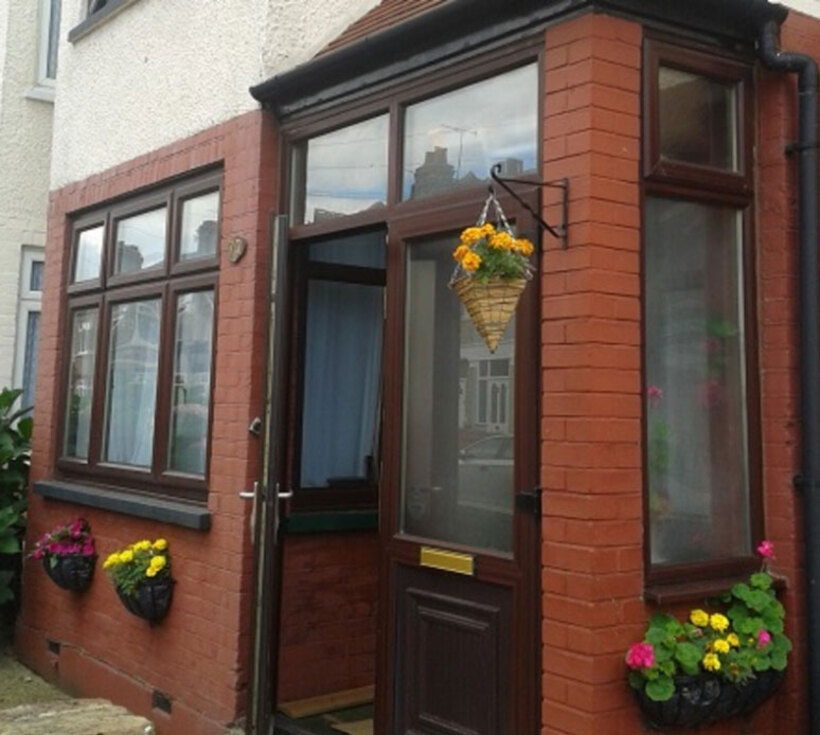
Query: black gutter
{"x": 809, "y": 482}
{"x": 457, "y": 27}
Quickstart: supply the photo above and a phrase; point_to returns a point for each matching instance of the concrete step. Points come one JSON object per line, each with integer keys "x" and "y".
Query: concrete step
{"x": 74, "y": 717}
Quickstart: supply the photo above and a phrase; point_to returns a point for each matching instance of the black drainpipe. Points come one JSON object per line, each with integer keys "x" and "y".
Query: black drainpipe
{"x": 809, "y": 480}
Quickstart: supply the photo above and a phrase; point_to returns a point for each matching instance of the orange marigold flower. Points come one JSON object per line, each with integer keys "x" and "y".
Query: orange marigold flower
{"x": 460, "y": 252}
{"x": 487, "y": 229}
{"x": 471, "y": 235}
{"x": 501, "y": 241}
{"x": 471, "y": 262}
{"x": 525, "y": 247}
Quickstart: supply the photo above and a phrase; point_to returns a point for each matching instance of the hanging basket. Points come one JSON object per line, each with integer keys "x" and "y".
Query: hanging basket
{"x": 701, "y": 700}
{"x": 70, "y": 572}
{"x": 491, "y": 273}
{"x": 490, "y": 305}
{"x": 150, "y": 600}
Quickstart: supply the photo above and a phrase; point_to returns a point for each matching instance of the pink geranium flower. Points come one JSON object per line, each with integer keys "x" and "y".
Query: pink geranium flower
{"x": 763, "y": 639}
{"x": 640, "y": 656}
{"x": 766, "y": 549}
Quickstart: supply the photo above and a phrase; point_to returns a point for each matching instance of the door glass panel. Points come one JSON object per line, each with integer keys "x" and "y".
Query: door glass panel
{"x": 80, "y": 382}
{"x": 452, "y": 140}
{"x": 458, "y": 459}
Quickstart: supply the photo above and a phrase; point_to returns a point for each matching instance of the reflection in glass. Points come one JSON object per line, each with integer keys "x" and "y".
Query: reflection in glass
{"x": 140, "y": 241}
{"x": 132, "y": 381}
{"x": 190, "y": 397}
{"x": 200, "y": 226}
{"x": 89, "y": 254}
{"x": 80, "y": 382}
{"x": 362, "y": 249}
{"x": 698, "y": 119}
{"x": 35, "y": 280}
{"x": 457, "y": 476}
{"x": 346, "y": 171}
{"x": 453, "y": 140}
{"x": 697, "y": 446}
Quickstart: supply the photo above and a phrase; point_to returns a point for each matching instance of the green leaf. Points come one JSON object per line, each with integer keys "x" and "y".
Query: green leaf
{"x": 688, "y": 656}
{"x": 667, "y": 667}
{"x": 9, "y": 543}
{"x": 636, "y": 680}
{"x": 779, "y": 660}
{"x": 761, "y": 580}
{"x": 661, "y": 620}
{"x": 661, "y": 689}
{"x": 758, "y": 600}
{"x": 741, "y": 591}
{"x": 656, "y": 636}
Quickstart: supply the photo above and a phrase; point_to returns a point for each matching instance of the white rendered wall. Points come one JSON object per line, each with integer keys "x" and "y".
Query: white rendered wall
{"x": 25, "y": 141}
{"x": 809, "y": 7}
{"x": 162, "y": 70}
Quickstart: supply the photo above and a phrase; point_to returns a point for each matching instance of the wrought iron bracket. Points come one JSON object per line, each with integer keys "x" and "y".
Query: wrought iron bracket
{"x": 557, "y": 231}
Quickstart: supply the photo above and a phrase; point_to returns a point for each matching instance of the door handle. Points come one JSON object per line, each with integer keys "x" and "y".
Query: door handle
{"x": 247, "y": 494}
{"x": 286, "y": 495}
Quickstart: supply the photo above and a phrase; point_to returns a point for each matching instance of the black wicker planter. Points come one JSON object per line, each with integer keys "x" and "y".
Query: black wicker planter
{"x": 72, "y": 572}
{"x": 150, "y": 600}
{"x": 700, "y": 700}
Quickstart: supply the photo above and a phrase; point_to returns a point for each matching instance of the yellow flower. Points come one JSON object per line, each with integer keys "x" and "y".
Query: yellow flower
{"x": 126, "y": 556}
{"x": 160, "y": 544}
{"x": 111, "y": 560}
{"x": 460, "y": 252}
{"x": 471, "y": 235}
{"x": 487, "y": 229}
{"x": 157, "y": 563}
{"x": 711, "y": 662}
{"x": 525, "y": 247}
{"x": 151, "y": 572}
{"x": 719, "y": 622}
{"x": 143, "y": 545}
{"x": 471, "y": 262}
{"x": 699, "y": 618}
{"x": 501, "y": 241}
{"x": 733, "y": 640}
{"x": 721, "y": 646}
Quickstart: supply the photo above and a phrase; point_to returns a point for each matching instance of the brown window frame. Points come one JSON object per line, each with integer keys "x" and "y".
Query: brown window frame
{"x": 392, "y": 99}
{"x": 705, "y": 184}
{"x": 166, "y": 282}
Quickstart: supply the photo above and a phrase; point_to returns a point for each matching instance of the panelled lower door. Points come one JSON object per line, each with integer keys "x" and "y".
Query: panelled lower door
{"x": 460, "y": 647}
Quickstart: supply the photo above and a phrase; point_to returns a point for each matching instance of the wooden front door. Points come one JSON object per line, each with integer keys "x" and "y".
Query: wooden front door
{"x": 459, "y": 646}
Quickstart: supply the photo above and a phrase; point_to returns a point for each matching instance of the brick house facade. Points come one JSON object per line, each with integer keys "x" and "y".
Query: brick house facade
{"x": 595, "y": 590}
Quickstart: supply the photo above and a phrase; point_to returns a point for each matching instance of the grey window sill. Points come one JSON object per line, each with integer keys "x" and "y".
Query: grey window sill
{"x": 175, "y": 512}
{"x": 97, "y": 19}
{"x": 41, "y": 93}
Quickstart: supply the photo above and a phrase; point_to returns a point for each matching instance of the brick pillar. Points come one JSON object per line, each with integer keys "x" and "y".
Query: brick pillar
{"x": 591, "y": 425}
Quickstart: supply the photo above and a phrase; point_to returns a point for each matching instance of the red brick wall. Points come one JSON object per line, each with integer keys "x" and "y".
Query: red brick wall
{"x": 328, "y": 629}
{"x": 592, "y": 553}
{"x": 199, "y": 654}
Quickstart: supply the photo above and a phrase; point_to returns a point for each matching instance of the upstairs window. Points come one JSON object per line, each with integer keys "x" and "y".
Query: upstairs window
{"x": 141, "y": 316}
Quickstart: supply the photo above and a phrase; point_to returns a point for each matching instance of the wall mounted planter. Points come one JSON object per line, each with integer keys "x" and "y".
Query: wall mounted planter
{"x": 700, "y": 700}
{"x": 150, "y": 600}
{"x": 72, "y": 572}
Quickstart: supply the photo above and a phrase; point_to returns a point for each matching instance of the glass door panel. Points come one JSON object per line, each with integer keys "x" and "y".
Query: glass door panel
{"x": 458, "y": 458}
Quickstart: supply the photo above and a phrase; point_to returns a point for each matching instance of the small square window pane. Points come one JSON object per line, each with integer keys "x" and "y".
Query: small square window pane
{"x": 80, "y": 382}
{"x": 130, "y": 404}
{"x": 698, "y": 119}
{"x": 451, "y": 141}
{"x": 35, "y": 279}
{"x": 191, "y": 389}
{"x": 140, "y": 241}
{"x": 346, "y": 171}
{"x": 200, "y": 227}
{"x": 89, "y": 254}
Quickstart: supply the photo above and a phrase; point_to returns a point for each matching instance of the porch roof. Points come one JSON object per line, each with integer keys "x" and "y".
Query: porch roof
{"x": 399, "y": 37}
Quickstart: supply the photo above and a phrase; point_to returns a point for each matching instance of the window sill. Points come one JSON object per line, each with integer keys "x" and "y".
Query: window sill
{"x": 41, "y": 93}
{"x": 175, "y": 512}
{"x": 112, "y": 8}
{"x": 345, "y": 520}
{"x": 669, "y": 594}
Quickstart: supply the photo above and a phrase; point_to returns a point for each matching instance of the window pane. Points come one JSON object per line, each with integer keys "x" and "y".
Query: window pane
{"x": 343, "y": 352}
{"x": 453, "y": 140}
{"x": 457, "y": 475}
{"x": 35, "y": 280}
{"x": 695, "y": 376}
{"x": 89, "y": 254}
{"x": 365, "y": 250}
{"x": 191, "y": 390}
{"x": 80, "y": 382}
{"x": 53, "y": 38}
{"x": 140, "y": 241}
{"x": 698, "y": 119}
{"x": 132, "y": 382}
{"x": 200, "y": 226}
{"x": 30, "y": 358}
{"x": 346, "y": 171}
